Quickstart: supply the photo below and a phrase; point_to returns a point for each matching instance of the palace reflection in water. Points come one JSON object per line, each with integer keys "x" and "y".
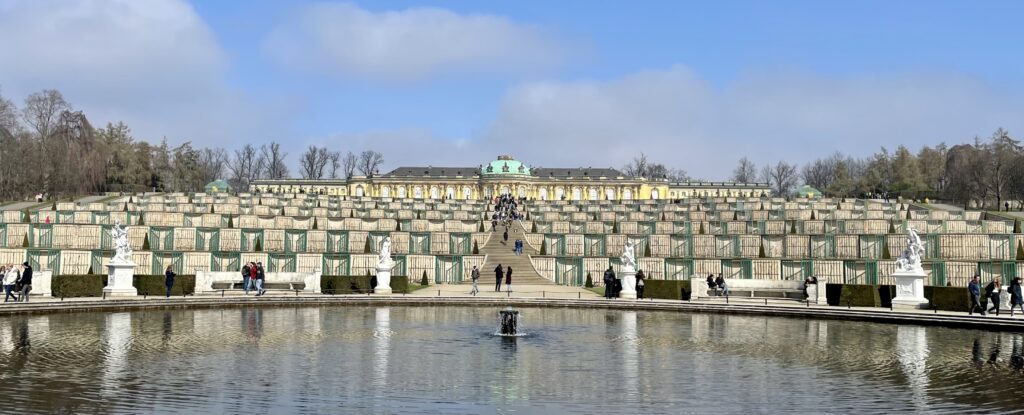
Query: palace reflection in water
{"x": 445, "y": 359}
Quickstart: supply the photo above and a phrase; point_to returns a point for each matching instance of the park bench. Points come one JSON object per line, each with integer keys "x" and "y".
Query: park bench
{"x": 766, "y": 289}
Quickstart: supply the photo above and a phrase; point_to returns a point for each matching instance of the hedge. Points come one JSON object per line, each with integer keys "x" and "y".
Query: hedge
{"x": 948, "y": 298}
{"x": 666, "y": 289}
{"x": 68, "y": 286}
{"x": 359, "y": 284}
{"x": 942, "y": 298}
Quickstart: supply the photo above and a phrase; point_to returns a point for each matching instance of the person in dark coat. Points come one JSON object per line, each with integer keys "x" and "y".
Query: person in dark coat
{"x": 260, "y": 277}
{"x": 505, "y": 236}
{"x": 499, "y": 274}
{"x": 609, "y": 281}
{"x": 992, "y": 291}
{"x": 245, "y": 278}
{"x": 711, "y": 281}
{"x": 720, "y": 285}
{"x": 508, "y": 278}
{"x": 640, "y": 284}
{"x": 1016, "y": 299}
{"x": 975, "y": 288}
{"x": 25, "y": 281}
{"x": 169, "y": 280}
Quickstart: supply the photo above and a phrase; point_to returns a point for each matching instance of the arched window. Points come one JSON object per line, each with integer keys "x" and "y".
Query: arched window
{"x": 522, "y": 191}
{"x": 576, "y": 194}
{"x": 433, "y": 193}
{"x": 593, "y": 194}
{"x": 655, "y": 194}
{"x": 543, "y": 194}
{"x": 417, "y": 192}
{"x": 450, "y": 193}
{"x": 627, "y": 194}
{"x": 385, "y": 191}
{"x": 609, "y": 194}
{"x": 467, "y": 193}
{"x": 359, "y": 191}
{"x": 505, "y": 190}
{"x": 559, "y": 193}
{"x": 401, "y": 192}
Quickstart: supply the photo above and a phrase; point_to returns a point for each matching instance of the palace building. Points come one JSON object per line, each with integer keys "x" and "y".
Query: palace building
{"x": 506, "y": 175}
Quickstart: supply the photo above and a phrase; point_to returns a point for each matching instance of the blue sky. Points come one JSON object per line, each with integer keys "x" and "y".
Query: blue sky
{"x": 695, "y": 85}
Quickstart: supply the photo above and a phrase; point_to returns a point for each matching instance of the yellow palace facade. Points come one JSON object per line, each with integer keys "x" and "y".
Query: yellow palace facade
{"x": 505, "y": 175}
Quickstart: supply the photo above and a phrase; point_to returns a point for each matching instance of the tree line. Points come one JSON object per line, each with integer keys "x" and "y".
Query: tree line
{"x": 985, "y": 173}
{"x": 47, "y": 147}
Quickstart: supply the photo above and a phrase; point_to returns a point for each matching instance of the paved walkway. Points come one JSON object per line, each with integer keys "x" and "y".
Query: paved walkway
{"x": 500, "y": 252}
{"x": 525, "y": 299}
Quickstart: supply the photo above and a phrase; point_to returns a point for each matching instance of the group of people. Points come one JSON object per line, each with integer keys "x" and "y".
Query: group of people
{"x": 613, "y": 285}
{"x": 718, "y": 284}
{"x": 503, "y": 273}
{"x": 506, "y": 210}
{"x": 252, "y": 277}
{"x": 17, "y": 284}
{"x": 993, "y": 293}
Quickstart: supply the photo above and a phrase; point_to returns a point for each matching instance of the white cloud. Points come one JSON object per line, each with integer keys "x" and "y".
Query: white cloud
{"x": 681, "y": 120}
{"x": 155, "y": 65}
{"x": 408, "y": 45}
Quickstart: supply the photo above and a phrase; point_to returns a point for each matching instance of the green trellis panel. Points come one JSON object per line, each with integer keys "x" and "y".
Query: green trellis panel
{"x": 295, "y": 240}
{"x": 679, "y": 268}
{"x": 162, "y": 259}
{"x": 682, "y": 246}
{"x": 568, "y": 271}
{"x": 460, "y": 244}
{"x": 595, "y": 245}
{"x": 337, "y": 241}
{"x": 225, "y": 261}
{"x": 40, "y": 235}
{"x": 419, "y": 243}
{"x": 281, "y": 263}
{"x": 249, "y": 238}
{"x": 336, "y": 265}
{"x": 207, "y": 239}
{"x": 41, "y": 259}
{"x": 938, "y": 273}
{"x": 448, "y": 269}
{"x": 161, "y": 238}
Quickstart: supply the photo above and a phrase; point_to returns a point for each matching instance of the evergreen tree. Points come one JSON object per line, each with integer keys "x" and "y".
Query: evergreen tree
{"x": 1020, "y": 251}
{"x": 892, "y": 227}
{"x": 314, "y": 223}
{"x": 25, "y": 216}
{"x": 1016, "y": 226}
{"x": 590, "y": 282}
{"x": 24, "y": 242}
{"x": 142, "y": 219}
{"x": 700, "y": 231}
{"x": 544, "y": 248}
{"x": 259, "y": 246}
{"x": 647, "y": 250}
{"x": 367, "y": 248}
{"x": 145, "y": 243}
{"x": 812, "y": 215}
{"x": 476, "y": 249}
{"x": 885, "y": 250}
{"x": 760, "y": 251}
{"x": 423, "y": 280}
{"x": 533, "y": 227}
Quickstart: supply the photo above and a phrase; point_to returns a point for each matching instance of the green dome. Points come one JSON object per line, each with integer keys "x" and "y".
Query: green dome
{"x": 217, "y": 186}
{"x": 505, "y": 166}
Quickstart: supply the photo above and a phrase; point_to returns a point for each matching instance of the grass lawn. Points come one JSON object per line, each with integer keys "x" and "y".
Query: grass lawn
{"x": 416, "y": 287}
{"x": 598, "y": 290}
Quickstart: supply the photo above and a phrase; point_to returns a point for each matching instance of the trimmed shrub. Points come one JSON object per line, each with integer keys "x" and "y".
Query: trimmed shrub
{"x": 476, "y": 248}
{"x": 145, "y": 243}
{"x": 482, "y": 228}
{"x": 423, "y": 280}
{"x": 760, "y": 251}
{"x": 1020, "y": 251}
{"x": 667, "y": 289}
{"x": 812, "y": 215}
{"x": 25, "y": 216}
{"x": 736, "y": 215}
{"x": 1016, "y": 226}
{"x": 142, "y": 219}
{"x": 533, "y": 227}
{"x": 231, "y": 222}
{"x": 948, "y": 298}
{"x": 792, "y": 228}
{"x": 885, "y": 250}
{"x": 589, "y": 283}
{"x": 125, "y": 206}
{"x": 543, "y": 248}
{"x": 154, "y": 285}
{"x": 259, "y": 245}
{"x": 892, "y": 227}
{"x": 78, "y": 285}
{"x": 366, "y": 247}
{"x": 615, "y": 227}
{"x": 858, "y": 295}
{"x": 700, "y": 231}
{"x": 53, "y": 207}
{"x": 24, "y": 241}
{"x": 314, "y": 224}
{"x": 647, "y": 250}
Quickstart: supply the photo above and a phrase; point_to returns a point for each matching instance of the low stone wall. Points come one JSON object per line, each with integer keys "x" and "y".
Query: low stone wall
{"x": 816, "y": 292}
{"x": 205, "y": 279}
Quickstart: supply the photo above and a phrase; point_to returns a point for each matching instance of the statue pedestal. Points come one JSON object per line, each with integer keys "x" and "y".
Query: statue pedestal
{"x": 910, "y": 289}
{"x": 383, "y": 280}
{"x": 628, "y": 278}
{"x": 119, "y": 280}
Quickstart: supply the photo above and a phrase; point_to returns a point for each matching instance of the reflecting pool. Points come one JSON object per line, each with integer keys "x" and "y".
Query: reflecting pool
{"x": 448, "y": 360}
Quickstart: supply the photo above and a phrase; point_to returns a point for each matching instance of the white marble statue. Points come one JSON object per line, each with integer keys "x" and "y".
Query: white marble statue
{"x": 910, "y": 259}
{"x": 385, "y": 253}
{"x": 123, "y": 255}
{"x": 628, "y": 257}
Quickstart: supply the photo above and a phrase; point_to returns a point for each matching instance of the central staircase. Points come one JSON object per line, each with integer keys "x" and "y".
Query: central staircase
{"x": 500, "y": 253}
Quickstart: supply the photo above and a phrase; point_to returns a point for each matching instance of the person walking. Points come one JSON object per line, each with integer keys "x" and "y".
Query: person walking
{"x": 508, "y": 279}
{"x": 609, "y": 280}
{"x": 475, "y": 275}
{"x": 169, "y": 280}
{"x": 992, "y": 291}
{"x": 245, "y": 276}
{"x": 260, "y": 276}
{"x": 1016, "y": 299}
{"x": 499, "y": 274}
{"x": 25, "y": 281}
{"x": 640, "y": 284}
{"x": 10, "y": 278}
{"x": 975, "y": 288}
{"x": 504, "y": 235}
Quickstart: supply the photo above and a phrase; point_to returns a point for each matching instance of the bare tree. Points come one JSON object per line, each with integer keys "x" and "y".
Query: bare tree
{"x": 8, "y": 116}
{"x": 782, "y": 177}
{"x": 1000, "y": 155}
{"x": 42, "y": 111}
{"x": 348, "y": 165}
{"x": 745, "y": 171}
{"x": 335, "y": 164}
{"x": 212, "y": 164}
{"x": 245, "y": 167}
{"x": 273, "y": 161}
{"x": 313, "y": 162}
{"x": 369, "y": 161}
{"x": 639, "y": 167}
